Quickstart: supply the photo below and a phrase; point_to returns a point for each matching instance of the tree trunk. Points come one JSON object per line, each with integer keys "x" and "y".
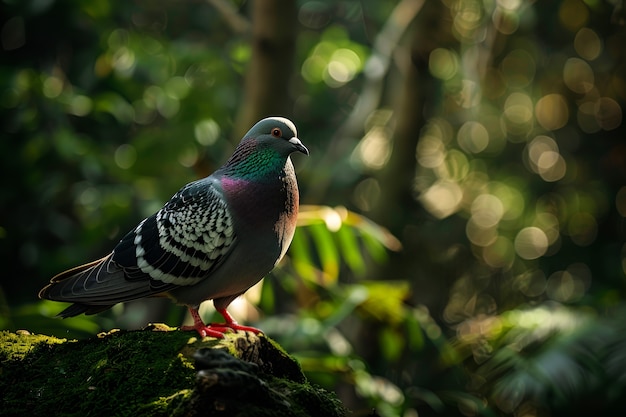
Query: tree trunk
{"x": 273, "y": 42}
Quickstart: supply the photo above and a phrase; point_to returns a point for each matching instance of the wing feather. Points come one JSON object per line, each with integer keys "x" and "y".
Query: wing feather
{"x": 183, "y": 242}
{"x": 180, "y": 245}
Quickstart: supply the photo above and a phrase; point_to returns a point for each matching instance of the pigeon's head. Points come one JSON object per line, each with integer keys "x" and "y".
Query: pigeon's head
{"x": 277, "y": 133}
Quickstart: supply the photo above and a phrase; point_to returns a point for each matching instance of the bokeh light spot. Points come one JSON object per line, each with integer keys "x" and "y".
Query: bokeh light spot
{"x": 375, "y": 148}
{"x": 473, "y": 137}
{"x": 500, "y": 254}
{"x": 487, "y": 210}
{"x": 52, "y": 87}
{"x": 344, "y": 65}
{"x": 455, "y": 166}
{"x": 552, "y": 166}
{"x": 549, "y": 224}
{"x": 551, "y": 111}
{"x": 313, "y": 68}
{"x": 177, "y": 88}
{"x": 578, "y": 75}
{"x": 479, "y": 235}
{"x": 125, "y": 156}
{"x": 90, "y": 198}
{"x": 431, "y": 151}
{"x": 573, "y": 14}
{"x": 512, "y": 200}
{"x": 518, "y": 110}
{"x": 505, "y": 21}
{"x": 608, "y": 113}
{"x": 442, "y": 199}
{"x": 562, "y": 286}
{"x": 207, "y": 132}
{"x": 80, "y": 105}
{"x": 531, "y": 243}
{"x": 509, "y": 5}
{"x": 544, "y": 158}
{"x": 537, "y": 147}
{"x": 586, "y": 117}
{"x": 443, "y": 63}
{"x": 468, "y": 18}
{"x": 587, "y": 44}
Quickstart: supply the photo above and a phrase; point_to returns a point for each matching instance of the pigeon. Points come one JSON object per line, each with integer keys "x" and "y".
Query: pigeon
{"x": 213, "y": 240}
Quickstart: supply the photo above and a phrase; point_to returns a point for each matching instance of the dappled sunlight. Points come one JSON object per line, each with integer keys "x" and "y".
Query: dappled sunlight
{"x": 473, "y": 137}
{"x": 207, "y": 132}
{"x": 430, "y": 151}
{"x": 531, "y": 243}
{"x": 512, "y": 226}
{"x": 544, "y": 159}
{"x": 519, "y": 356}
{"x": 460, "y": 241}
{"x": 374, "y": 149}
{"x": 578, "y": 75}
{"x": 518, "y": 114}
{"x": 588, "y": 44}
{"x": 335, "y": 61}
{"x": 551, "y": 111}
{"x": 442, "y": 199}
{"x": 443, "y": 63}
{"x": 329, "y": 239}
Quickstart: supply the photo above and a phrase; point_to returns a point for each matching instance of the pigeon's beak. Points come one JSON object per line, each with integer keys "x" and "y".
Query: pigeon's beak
{"x": 298, "y": 145}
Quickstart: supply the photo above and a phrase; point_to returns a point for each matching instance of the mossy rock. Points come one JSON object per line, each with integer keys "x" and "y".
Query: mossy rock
{"x": 158, "y": 371}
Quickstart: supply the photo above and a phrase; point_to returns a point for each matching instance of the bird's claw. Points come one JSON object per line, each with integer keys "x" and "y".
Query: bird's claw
{"x": 217, "y": 330}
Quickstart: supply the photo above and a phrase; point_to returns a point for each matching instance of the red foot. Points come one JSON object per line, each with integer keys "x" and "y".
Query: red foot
{"x": 216, "y": 330}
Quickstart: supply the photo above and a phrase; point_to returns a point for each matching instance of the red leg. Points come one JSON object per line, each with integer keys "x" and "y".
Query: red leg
{"x": 232, "y": 324}
{"x": 216, "y": 330}
{"x": 200, "y": 327}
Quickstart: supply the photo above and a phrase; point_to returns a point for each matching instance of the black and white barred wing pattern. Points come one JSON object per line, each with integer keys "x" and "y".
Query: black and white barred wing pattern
{"x": 183, "y": 242}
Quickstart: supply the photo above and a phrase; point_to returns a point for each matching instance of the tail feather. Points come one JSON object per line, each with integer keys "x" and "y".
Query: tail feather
{"x": 95, "y": 287}
{"x": 78, "y": 308}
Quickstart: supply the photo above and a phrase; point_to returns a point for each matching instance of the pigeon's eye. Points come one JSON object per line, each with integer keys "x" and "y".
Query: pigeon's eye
{"x": 277, "y": 133}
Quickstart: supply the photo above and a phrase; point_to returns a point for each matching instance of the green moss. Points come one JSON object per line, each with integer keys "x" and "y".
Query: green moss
{"x": 16, "y": 345}
{"x": 174, "y": 405}
{"x": 93, "y": 376}
{"x": 152, "y": 373}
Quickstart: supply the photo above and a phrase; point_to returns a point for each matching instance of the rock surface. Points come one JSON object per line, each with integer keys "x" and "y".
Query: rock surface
{"x": 157, "y": 371}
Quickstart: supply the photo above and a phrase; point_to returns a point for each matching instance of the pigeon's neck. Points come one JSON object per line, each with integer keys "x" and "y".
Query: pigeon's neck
{"x": 266, "y": 202}
{"x": 254, "y": 164}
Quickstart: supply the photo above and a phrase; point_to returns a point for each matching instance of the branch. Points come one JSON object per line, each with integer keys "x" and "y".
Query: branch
{"x": 377, "y": 66}
{"x": 238, "y": 23}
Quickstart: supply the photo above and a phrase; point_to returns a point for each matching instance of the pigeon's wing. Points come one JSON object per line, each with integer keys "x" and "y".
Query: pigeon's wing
{"x": 183, "y": 242}
{"x": 179, "y": 245}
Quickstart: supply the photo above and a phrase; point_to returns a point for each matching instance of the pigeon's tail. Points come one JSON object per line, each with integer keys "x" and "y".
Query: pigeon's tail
{"x": 78, "y": 308}
{"x": 94, "y": 287}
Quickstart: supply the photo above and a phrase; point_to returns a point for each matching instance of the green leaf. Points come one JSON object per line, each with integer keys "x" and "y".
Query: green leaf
{"x": 327, "y": 250}
{"x": 414, "y": 333}
{"x": 350, "y": 250}
{"x": 391, "y": 343}
{"x": 300, "y": 254}
{"x": 386, "y": 301}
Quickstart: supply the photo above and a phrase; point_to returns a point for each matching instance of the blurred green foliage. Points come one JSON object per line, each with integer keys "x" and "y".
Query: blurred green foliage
{"x": 461, "y": 247}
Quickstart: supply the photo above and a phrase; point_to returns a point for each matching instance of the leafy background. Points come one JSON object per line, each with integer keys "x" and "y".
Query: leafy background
{"x": 460, "y": 249}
